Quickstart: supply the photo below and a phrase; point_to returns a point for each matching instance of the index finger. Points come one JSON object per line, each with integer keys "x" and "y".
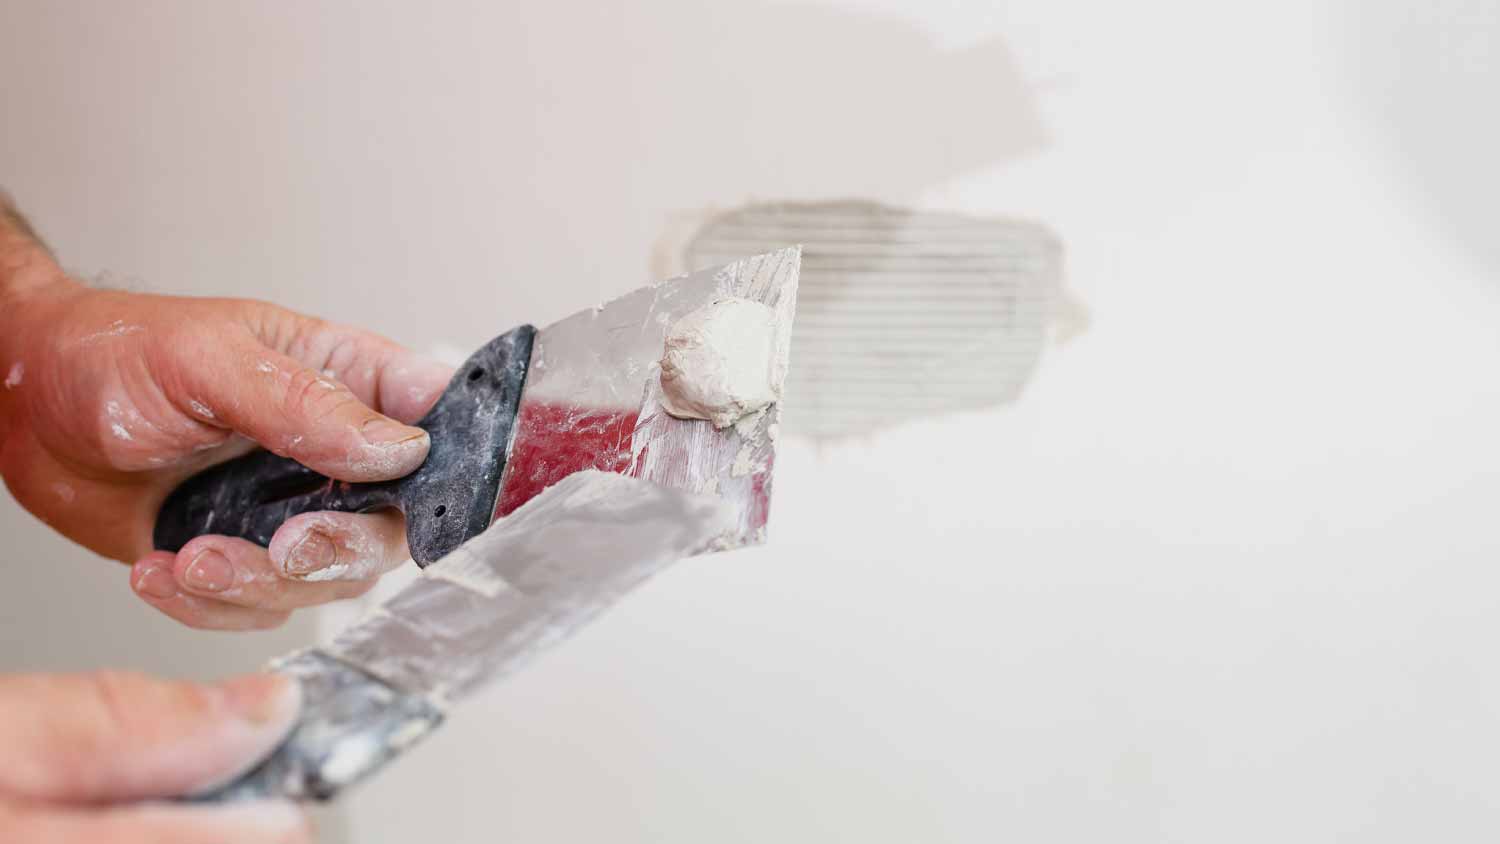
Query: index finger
{"x": 383, "y": 374}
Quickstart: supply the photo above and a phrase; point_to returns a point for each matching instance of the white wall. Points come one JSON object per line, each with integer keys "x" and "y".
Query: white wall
{"x": 1225, "y": 573}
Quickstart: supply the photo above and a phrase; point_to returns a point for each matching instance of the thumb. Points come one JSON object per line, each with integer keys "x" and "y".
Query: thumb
{"x": 297, "y": 411}
{"x": 116, "y": 736}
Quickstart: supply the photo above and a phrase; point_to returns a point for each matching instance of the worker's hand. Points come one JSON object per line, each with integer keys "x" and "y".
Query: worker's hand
{"x": 111, "y": 399}
{"x": 82, "y": 756}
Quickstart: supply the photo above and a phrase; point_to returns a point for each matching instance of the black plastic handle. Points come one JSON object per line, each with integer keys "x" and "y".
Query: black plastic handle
{"x": 447, "y": 501}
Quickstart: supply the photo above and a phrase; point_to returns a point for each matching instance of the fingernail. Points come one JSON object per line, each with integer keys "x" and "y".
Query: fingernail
{"x": 155, "y": 582}
{"x": 210, "y": 571}
{"x": 386, "y": 432}
{"x": 263, "y": 698}
{"x": 315, "y": 551}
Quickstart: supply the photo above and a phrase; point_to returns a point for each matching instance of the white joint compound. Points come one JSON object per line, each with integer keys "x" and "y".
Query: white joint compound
{"x": 720, "y": 362}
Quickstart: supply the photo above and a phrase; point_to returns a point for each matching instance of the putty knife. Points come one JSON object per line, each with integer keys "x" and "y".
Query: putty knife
{"x": 526, "y": 410}
{"x": 529, "y": 581}
{"x": 591, "y": 488}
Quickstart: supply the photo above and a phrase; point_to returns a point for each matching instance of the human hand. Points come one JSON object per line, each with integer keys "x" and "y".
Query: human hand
{"x": 80, "y": 753}
{"x": 111, "y": 399}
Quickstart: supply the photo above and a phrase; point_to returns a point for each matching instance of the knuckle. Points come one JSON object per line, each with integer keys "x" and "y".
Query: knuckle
{"x": 271, "y": 324}
{"x": 306, "y": 338}
{"x": 182, "y": 340}
{"x": 128, "y": 703}
{"x": 311, "y": 394}
{"x": 343, "y": 352}
{"x": 174, "y": 347}
{"x": 113, "y": 694}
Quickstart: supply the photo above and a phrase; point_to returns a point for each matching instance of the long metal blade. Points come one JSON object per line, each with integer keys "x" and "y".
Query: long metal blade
{"x": 592, "y": 397}
{"x": 531, "y": 580}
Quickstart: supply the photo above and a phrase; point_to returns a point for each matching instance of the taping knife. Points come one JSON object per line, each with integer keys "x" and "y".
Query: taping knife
{"x": 525, "y": 411}
{"x": 529, "y": 581}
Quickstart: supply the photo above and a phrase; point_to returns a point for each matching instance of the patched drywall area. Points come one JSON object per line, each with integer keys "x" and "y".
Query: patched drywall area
{"x": 903, "y": 314}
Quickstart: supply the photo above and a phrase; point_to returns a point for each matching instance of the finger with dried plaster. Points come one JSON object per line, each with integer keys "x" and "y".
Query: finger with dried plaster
{"x": 408, "y": 385}
{"x": 152, "y": 579}
{"x": 328, "y": 547}
{"x": 381, "y": 373}
{"x": 331, "y": 559}
{"x": 298, "y": 412}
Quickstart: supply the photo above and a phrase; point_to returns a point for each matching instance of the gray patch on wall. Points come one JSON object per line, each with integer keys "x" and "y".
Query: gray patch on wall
{"x": 902, "y": 314}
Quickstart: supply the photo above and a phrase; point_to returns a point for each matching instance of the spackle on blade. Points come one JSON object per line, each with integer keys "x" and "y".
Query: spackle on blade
{"x": 720, "y": 362}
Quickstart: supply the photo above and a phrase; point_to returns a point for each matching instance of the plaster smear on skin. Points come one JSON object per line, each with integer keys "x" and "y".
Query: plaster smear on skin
{"x": 118, "y": 328}
{"x": 116, "y": 424}
{"x": 358, "y": 555}
{"x": 365, "y": 565}
{"x": 386, "y": 459}
{"x": 721, "y": 362}
{"x": 118, "y": 417}
{"x": 337, "y": 571}
{"x": 13, "y": 378}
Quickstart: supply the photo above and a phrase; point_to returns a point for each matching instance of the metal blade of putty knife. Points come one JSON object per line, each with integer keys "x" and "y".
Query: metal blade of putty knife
{"x": 525, "y": 411}
{"x": 596, "y": 488}
{"x": 593, "y": 396}
{"x": 528, "y": 582}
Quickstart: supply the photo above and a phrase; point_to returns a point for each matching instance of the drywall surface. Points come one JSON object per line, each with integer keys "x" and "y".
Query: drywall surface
{"x": 1224, "y": 572}
{"x": 905, "y": 315}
